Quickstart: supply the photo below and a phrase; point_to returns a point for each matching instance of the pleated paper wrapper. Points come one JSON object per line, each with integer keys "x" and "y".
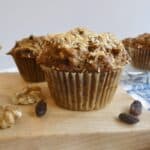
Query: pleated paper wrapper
{"x": 29, "y": 69}
{"x": 141, "y": 58}
{"x": 81, "y": 91}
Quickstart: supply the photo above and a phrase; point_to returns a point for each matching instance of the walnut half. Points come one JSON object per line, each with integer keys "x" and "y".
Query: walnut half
{"x": 28, "y": 95}
{"x": 8, "y": 116}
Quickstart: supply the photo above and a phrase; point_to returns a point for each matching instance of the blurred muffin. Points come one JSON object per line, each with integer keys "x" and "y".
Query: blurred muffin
{"x": 139, "y": 50}
{"x": 25, "y": 53}
{"x": 82, "y": 68}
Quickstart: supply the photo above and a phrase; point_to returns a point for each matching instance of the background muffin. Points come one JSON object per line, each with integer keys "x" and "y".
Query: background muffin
{"x": 24, "y": 53}
{"x": 83, "y": 68}
{"x": 139, "y": 50}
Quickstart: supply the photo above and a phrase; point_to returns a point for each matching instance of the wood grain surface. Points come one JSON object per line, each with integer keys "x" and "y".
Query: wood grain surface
{"x": 62, "y": 129}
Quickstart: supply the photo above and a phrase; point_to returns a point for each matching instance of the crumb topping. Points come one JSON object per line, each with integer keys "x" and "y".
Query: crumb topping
{"x": 29, "y": 47}
{"x": 139, "y": 42}
{"x": 81, "y": 49}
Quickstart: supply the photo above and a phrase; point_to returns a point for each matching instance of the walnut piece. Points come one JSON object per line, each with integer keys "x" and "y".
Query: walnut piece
{"x": 8, "y": 116}
{"x": 28, "y": 95}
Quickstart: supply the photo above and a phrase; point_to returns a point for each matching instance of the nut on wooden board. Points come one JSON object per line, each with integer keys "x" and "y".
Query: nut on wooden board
{"x": 28, "y": 95}
{"x": 9, "y": 114}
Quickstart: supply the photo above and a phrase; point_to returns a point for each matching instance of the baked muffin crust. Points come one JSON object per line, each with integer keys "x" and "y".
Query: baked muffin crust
{"x": 83, "y": 50}
{"x": 29, "y": 47}
{"x": 142, "y": 41}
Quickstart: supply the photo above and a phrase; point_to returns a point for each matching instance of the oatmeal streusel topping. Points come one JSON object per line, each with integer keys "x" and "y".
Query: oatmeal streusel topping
{"x": 139, "y": 42}
{"x": 81, "y": 49}
{"x": 29, "y": 47}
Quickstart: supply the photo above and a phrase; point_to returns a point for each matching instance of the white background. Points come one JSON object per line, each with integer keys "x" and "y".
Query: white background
{"x": 19, "y": 18}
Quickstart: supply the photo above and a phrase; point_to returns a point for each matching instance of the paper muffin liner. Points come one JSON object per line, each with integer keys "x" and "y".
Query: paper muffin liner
{"x": 82, "y": 91}
{"x": 29, "y": 69}
{"x": 141, "y": 59}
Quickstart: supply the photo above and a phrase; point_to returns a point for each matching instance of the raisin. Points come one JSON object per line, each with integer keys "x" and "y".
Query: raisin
{"x": 136, "y": 108}
{"x": 128, "y": 118}
{"x": 41, "y": 108}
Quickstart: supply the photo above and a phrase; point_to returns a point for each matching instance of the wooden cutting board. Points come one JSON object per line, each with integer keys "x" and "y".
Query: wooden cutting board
{"x": 62, "y": 129}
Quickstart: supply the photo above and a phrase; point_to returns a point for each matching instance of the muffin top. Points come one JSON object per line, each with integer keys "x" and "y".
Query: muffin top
{"x": 83, "y": 50}
{"x": 142, "y": 41}
{"x": 29, "y": 47}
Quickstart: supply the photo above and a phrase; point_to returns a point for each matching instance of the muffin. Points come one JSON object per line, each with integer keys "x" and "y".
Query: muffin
{"x": 82, "y": 68}
{"x": 25, "y": 53}
{"x": 139, "y": 50}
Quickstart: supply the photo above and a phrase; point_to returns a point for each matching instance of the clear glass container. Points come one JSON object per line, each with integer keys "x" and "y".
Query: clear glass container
{"x": 137, "y": 83}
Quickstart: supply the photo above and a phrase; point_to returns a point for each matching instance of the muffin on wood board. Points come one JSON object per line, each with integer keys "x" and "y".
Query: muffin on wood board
{"x": 82, "y": 68}
{"x": 139, "y": 50}
{"x": 25, "y": 53}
